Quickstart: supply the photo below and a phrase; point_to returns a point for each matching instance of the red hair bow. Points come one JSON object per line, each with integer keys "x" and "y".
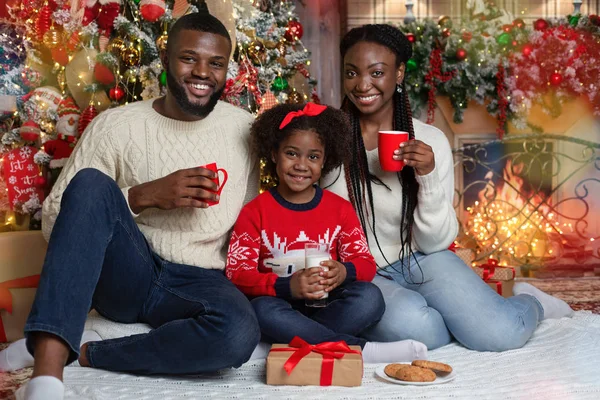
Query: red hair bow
{"x": 310, "y": 110}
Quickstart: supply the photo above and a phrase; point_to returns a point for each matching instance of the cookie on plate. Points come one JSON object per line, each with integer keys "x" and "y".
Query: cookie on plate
{"x": 410, "y": 373}
{"x": 433, "y": 365}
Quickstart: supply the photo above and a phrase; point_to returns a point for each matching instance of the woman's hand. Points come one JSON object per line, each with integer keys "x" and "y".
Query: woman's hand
{"x": 305, "y": 284}
{"x": 416, "y": 154}
{"x": 334, "y": 277}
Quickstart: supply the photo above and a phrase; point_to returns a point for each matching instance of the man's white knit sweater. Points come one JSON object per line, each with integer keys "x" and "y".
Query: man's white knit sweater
{"x": 435, "y": 224}
{"x": 134, "y": 144}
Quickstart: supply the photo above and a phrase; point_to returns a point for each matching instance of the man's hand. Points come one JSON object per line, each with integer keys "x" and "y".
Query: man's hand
{"x": 184, "y": 188}
{"x": 334, "y": 277}
{"x": 305, "y": 284}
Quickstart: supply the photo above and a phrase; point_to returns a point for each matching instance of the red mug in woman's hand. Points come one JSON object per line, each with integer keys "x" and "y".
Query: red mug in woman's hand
{"x": 387, "y": 143}
{"x": 220, "y": 183}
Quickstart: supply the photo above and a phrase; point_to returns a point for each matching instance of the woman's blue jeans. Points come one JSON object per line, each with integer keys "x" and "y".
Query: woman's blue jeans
{"x": 451, "y": 301}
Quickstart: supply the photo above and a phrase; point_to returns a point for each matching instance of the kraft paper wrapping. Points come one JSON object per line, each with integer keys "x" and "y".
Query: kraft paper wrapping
{"x": 21, "y": 258}
{"x": 347, "y": 371}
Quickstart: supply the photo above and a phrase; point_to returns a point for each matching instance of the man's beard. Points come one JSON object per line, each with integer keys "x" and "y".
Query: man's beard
{"x": 184, "y": 103}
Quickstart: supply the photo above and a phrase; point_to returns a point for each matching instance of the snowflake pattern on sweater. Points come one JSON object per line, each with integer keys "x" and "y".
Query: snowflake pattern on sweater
{"x": 267, "y": 243}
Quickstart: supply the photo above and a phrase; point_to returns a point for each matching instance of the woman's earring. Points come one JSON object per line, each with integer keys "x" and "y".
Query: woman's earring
{"x": 398, "y": 88}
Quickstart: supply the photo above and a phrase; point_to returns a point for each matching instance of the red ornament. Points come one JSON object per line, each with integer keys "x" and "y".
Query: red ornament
{"x": 293, "y": 31}
{"x": 411, "y": 37}
{"x": 86, "y": 117}
{"x": 446, "y": 32}
{"x": 515, "y": 43}
{"x": 103, "y": 75}
{"x": 116, "y": 93}
{"x": 595, "y": 19}
{"x": 40, "y": 181}
{"x": 152, "y": 10}
{"x": 42, "y": 25}
{"x": 59, "y": 55}
{"x": 73, "y": 41}
{"x": 527, "y": 49}
{"x": 540, "y": 24}
{"x": 519, "y": 23}
{"x": 507, "y": 28}
{"x": 467, "y": 36}
{"x": 107, "y": 14}
{"x": 556, "y": 79}
{"x": 461, "y": 54}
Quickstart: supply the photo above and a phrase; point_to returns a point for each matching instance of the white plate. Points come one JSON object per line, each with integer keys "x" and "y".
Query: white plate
{"x": 438, "y": 380}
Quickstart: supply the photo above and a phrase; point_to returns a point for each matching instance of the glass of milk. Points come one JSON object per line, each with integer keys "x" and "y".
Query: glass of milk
{"x": 314, "y": 253}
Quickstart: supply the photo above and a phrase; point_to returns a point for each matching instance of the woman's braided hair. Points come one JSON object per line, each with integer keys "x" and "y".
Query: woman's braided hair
{"x": 358, "y": 177}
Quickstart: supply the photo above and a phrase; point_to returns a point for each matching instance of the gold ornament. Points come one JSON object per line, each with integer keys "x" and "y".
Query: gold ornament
{"x": 257, "y": 53}
{"x": 295, "y": 98}
{"x": 161, "y": 42}
{"x": 116, "y": 46}
{"x": 282, "y": 48}
{"x": 61, "y": 79}
{"x": 51, "y": 38}
{"x": 130, "y": 56}
{"x": 444, "y": 20}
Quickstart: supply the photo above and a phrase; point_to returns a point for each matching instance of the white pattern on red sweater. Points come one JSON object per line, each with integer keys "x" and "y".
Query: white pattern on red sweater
{"x": 271, "y": 232}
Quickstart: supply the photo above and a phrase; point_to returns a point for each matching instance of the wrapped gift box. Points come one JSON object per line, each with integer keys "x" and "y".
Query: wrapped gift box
{"x": 21, "y": 259}
{"x": 329, "y": 363}
{"x": 503, "y": 288}
{"x": 491, "y": 270}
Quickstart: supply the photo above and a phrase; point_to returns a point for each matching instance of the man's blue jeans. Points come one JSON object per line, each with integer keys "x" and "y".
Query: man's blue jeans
{"x": 98, "y": 258}
{"x": 351, "y": 309}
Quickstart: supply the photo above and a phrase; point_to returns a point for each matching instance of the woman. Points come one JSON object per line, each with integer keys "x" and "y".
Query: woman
{"x": 430, "y": 294}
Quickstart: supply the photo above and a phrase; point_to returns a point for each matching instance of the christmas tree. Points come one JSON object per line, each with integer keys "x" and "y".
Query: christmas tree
{"x": 64, "y": 62}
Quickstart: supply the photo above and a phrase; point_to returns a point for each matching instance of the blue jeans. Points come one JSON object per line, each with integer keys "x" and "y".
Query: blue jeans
{"x": 452, "y": 301}
{"x": 98, "y": 258}
{"x": 351, "y": 309}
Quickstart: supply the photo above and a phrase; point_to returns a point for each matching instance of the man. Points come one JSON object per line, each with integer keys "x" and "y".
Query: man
{"x": 134, "y": 232}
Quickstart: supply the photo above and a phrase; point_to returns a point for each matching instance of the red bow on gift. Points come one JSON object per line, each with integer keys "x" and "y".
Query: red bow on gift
{"x": 329, "y": 350}
{"x": 489, "y": 269}
{"x": 310, "y": 110}
{"x": 6, "y": 297}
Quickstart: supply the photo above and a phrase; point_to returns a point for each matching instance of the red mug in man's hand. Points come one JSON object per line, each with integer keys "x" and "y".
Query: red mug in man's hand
{"x": 220, "y": 183}
{"x": 387, "y": 143}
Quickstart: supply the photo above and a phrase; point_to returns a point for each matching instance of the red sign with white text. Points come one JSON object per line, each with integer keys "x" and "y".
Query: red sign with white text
{"x": 20, "y": 172}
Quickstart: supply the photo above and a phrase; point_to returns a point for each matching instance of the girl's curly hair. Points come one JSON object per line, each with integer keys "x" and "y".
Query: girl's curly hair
{"x": 332, "y": 127}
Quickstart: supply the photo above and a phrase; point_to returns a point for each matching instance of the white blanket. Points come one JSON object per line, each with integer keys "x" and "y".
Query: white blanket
{"x": 561, "y": 361}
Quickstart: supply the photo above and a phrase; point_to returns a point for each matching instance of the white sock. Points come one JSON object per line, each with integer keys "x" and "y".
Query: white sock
{"x": 261, "y": 351}
{"x": 553, "y": 306}
{"x": 404, "y": 350}
{"x": 16, "y": 356}
{"x": 41, "y": 388}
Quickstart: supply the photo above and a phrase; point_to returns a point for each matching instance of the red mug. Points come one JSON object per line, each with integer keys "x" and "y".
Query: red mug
{"x": 220, "y": 185}
{"x": 387, "y": 143}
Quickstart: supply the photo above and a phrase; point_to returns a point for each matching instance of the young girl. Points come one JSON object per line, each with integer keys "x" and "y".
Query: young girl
{"x": 430, "y": 294}
{"x": 266, "y": 252}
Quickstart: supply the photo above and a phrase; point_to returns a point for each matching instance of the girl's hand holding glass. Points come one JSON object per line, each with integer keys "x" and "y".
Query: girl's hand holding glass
{"x": 305, "y": 284}
{"x": 416, "y": 154}
{"x": 334, "y": 277}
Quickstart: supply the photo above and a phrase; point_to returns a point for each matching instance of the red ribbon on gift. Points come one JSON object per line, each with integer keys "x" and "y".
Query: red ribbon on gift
{"x": 6, "y": 297}
{"x": 499, "y": 287}
{"x": 329, "y": 350}
{"x": 489, "y": 269}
